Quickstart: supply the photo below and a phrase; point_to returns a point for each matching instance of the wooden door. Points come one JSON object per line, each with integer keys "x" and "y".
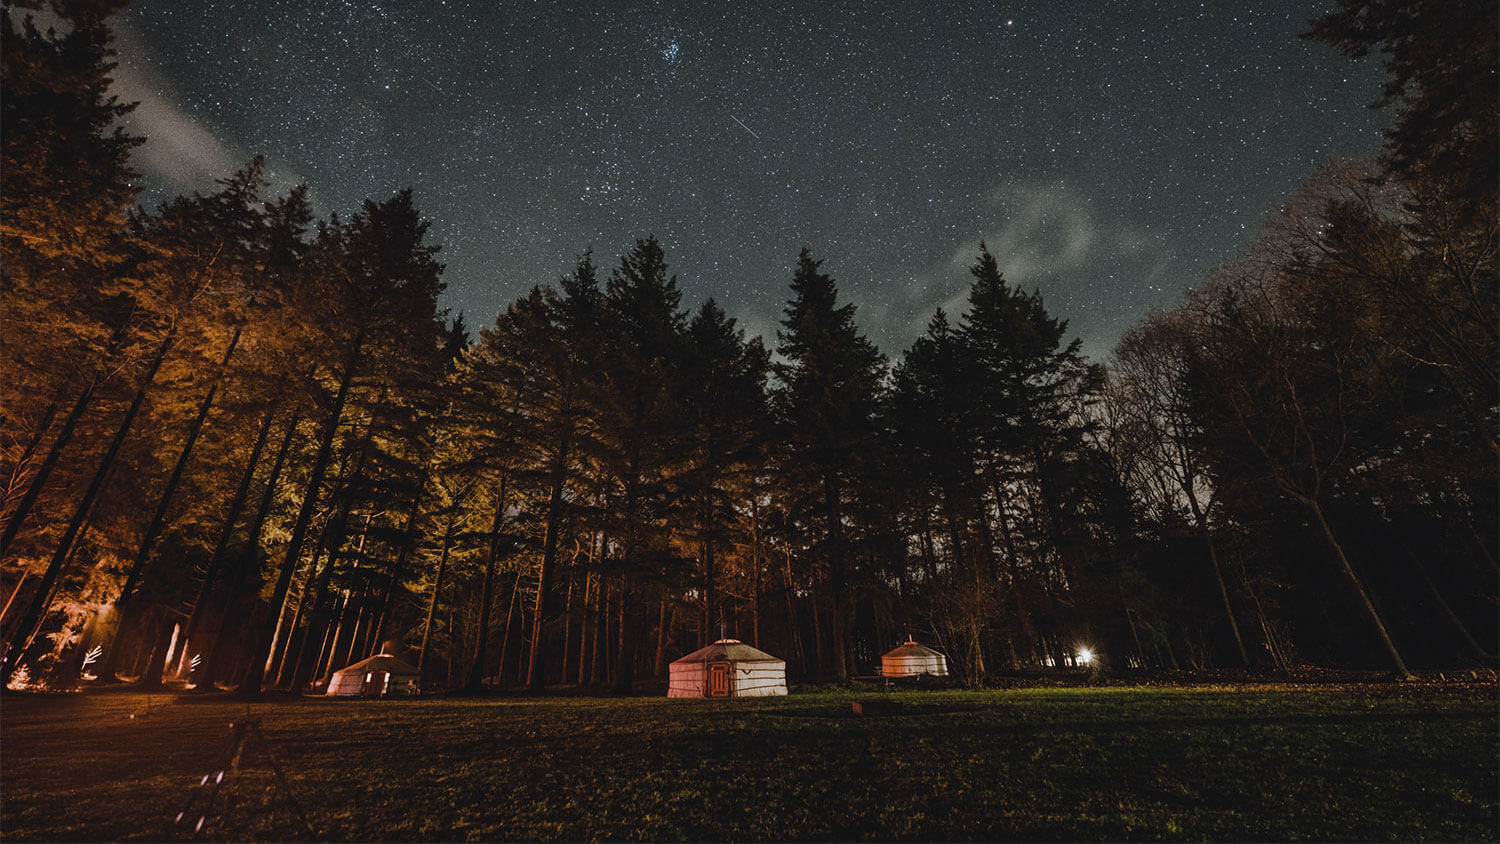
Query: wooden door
{"x": 719, "y": 674}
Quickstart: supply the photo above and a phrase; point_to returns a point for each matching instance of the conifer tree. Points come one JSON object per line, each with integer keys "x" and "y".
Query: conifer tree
{"x": 65, "y": 189}
{"x": 829, "y": 386}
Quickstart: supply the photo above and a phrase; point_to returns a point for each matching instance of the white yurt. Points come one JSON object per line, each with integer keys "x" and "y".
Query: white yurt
{"x": 913, "y": 660}
{"x": 727, "y": 668}
{"x": 382, "y": 675}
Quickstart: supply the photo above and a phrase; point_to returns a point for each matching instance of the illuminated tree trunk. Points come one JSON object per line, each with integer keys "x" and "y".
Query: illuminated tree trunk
{"x": 320, "y": 622}
{"x": 487, "y": 593}
{"x": 236, "y": 505}
{"x": 505, "y": 635}
{"x": 660, "y": 665}
{"x": 437, "y": 590}
{"x": 70, "y": 424}
{"x": 210, "y": 669}
{"x": 293, "y": 646}
{"x": 125, "y": 604}
{"x": 624, "y": 650}
{"x": 585, "y": 621}
{"x": 291, "y": 652}
{"x": 545, "y": 574}
{"x": 600, "y": 635}
{"x": 34, "y": 489}
{"x": 256, "y": 676}
{"x": 567, "y": 637}
{"x": 31, "y": 622}
{"x": 156, "y": 662}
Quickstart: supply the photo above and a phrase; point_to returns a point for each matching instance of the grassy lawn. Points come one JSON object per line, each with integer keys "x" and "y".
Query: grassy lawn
{"x": 1377, "y": 763}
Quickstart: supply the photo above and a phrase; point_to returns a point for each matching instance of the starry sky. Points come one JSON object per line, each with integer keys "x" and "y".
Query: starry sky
{"x": 1110, "y": 153}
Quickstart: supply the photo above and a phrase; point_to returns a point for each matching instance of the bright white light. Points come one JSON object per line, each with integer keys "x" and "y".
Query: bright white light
{"x": 20, "y": 679}
{"x": 1085, "y": 656}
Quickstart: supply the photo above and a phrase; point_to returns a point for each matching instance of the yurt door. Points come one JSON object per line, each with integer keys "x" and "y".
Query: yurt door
{"x": 718, "y": 679}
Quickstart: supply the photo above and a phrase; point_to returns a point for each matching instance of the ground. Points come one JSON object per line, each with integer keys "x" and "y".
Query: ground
{"x": 1370, "y": 762}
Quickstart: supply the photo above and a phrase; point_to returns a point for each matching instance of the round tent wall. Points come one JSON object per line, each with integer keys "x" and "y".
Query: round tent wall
{"x": 381, "y": 675}
{"x": 727, "y": 668}
{"x": 913, "y": 660}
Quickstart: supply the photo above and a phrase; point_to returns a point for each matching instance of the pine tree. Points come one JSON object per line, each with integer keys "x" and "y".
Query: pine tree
{"x": 640, "y": 430}
{"x": 373, "y": 297}
{"x": 724, "y": 398}
{"x": 826, "y": 399}
{"x": 65, "y": 188}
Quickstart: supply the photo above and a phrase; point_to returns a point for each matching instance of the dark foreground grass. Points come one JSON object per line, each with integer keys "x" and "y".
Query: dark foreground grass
{"x": 1242, "y": 763}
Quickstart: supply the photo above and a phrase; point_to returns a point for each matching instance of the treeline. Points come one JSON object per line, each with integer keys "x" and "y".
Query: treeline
{"x": 247, "y": 448}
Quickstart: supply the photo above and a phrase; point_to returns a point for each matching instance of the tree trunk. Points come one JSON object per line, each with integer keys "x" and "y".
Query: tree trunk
{"x": 236, "y": 505}
{"x": 510, "y": 625}
{"x": 624, "y": 652}
{"x": 585, "y": 627}
{"x": 398, "y": 568}
{"x": 534, "y": 679}
{"x": 567, "y": 639}
{"x": 600, "y": 634}
{"x": 836, "y": 621}
{"x": 659, "y": 667}
{"x": 156, "y": 665}
{"x": 709, "y": 604}
{"x": 1201, "y": 520}
{"x": 755, "y": 565}
{"x": 209, "y": 668}
{"x": 331, "y": 541}
{"x": 1470, "y": 643}
{"x": 1359, "y": 590}
{"x": 437, "y": 588}
{"x": 34, "y": 489}
{"x": 70, "y": 423}
{"x": 31, "y": 622}
{"x": 793, "y": 620}
{"x": 253, "y": 680}
{"x": 487, "y": 593}
{"x": 125, "y": 604}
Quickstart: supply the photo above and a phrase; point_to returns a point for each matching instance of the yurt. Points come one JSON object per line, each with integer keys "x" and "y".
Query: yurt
{"x": 382, "y": 675}
{"x": 913, "y": 660}
{"x": 727, "y": 668}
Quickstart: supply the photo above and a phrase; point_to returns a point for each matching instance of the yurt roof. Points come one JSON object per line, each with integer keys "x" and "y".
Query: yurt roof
{"x": 381, "y": 662}
{"x": 911, "y": 648}
{"x": 728, "y": 650}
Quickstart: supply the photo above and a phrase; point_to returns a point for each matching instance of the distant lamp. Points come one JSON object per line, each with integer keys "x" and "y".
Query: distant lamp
{"x": 1085, "y": 656}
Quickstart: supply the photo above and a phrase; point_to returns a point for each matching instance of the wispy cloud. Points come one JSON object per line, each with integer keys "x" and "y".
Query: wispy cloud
{"x": 182, "y": 152}
{"x": 1044, "y": 236}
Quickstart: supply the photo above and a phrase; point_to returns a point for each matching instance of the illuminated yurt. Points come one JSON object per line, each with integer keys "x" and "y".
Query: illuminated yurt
{"x": 382, "y": 675}
{"x": 913, "y": 660}
{"x": 727, "y": 668}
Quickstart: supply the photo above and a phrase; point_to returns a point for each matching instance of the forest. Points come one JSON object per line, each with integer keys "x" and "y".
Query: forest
{"x": 242, "y": 447}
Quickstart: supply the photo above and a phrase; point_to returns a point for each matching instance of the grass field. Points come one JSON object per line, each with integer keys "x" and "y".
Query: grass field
{"x": 1379, "y": 762}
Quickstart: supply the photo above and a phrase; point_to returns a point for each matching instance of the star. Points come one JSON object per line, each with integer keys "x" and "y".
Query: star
{"x": 887, "y": 143}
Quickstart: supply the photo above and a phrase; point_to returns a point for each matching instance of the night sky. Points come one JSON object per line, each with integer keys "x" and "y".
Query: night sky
{"x": 1111, "y": 153}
